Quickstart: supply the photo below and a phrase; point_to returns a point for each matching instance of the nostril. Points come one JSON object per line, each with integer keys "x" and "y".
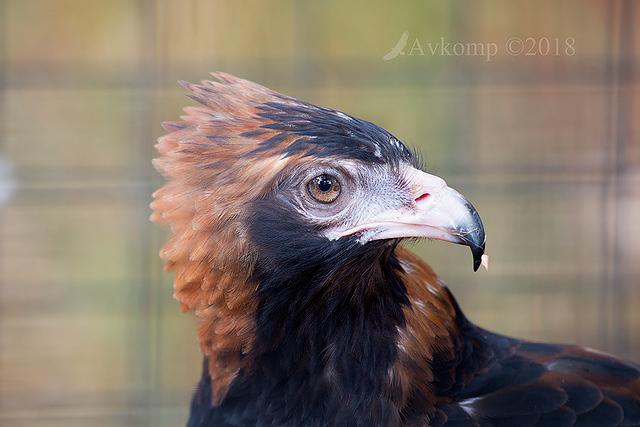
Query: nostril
{"x": 422, "y": 197}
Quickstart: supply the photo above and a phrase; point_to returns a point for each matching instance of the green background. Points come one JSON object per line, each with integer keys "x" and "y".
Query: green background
{"x": 546, "y": 146}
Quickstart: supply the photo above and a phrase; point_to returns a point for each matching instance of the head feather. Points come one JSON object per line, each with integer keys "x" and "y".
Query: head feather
{"x": 223, "y": 155}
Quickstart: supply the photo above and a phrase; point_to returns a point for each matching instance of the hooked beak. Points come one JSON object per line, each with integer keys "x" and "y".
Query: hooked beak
{"x": 437, "y": 212}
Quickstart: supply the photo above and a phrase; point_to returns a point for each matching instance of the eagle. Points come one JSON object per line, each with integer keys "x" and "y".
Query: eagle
{"x": 287, "y": 221}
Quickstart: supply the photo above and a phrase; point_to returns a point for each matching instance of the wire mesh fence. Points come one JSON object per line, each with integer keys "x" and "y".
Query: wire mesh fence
{"x": 542, "y": 136}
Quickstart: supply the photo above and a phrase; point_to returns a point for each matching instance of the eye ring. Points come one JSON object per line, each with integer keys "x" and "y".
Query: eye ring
{"x": 324, "y": 188}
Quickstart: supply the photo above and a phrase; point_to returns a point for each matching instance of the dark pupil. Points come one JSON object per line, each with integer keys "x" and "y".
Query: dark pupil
{"x": 324, "y": 183}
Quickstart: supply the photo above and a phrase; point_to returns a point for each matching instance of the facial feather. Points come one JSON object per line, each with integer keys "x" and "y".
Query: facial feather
{"x": 239, "y": 146}
{"x": 248, "y": 237}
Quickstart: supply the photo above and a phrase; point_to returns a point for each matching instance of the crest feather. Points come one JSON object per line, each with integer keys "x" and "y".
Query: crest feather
{"x": 222, "y": 156}
{"x": 207, "y": 163}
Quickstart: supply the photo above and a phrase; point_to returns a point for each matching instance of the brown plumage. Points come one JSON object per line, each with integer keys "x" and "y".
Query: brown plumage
{"x": 286, "y": 224}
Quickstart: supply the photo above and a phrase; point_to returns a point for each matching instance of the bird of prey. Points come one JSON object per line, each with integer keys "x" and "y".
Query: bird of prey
{"x": 397, "y": 49}
{"x": 287, "y": 221}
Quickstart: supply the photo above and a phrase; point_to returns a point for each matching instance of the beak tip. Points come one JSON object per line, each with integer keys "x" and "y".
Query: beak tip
{"x": 479, "y": 258}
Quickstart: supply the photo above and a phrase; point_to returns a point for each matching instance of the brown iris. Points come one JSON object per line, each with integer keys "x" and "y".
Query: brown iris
{"x": 324, "y": 188}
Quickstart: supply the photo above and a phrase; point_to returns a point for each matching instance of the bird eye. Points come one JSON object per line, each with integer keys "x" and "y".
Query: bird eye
{"x": 324, "y": 188}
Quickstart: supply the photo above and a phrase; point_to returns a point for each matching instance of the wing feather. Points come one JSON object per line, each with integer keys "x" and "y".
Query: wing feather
{"x": 485, "y": 379}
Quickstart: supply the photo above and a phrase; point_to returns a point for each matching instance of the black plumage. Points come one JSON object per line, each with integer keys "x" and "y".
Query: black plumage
{"x": 287, "y": 221}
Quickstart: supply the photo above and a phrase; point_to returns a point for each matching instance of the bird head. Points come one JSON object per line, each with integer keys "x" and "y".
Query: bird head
{"x": 261, "y": 181}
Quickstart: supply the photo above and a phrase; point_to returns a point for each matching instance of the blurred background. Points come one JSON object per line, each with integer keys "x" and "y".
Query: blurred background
{"x": 531, "y": 109}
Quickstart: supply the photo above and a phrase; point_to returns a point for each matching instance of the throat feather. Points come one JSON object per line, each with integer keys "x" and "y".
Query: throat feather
{"x": 339, "y": 327}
